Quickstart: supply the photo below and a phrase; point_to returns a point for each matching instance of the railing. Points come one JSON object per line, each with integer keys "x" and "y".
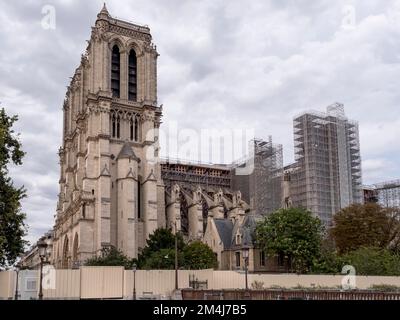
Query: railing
{"x": 273, "y": 294}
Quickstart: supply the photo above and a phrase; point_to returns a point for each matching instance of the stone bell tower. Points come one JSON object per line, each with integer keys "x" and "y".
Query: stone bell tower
{"x": 111, "y": 192}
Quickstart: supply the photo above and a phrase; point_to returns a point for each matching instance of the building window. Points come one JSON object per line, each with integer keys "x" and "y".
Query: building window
{"x": 262, "y": 258}
{"x": 136, "y": 129}
{"x": 115, "y": 72}
{"x": 132, "y": 76}
{"x": 281, "y": 260}
{"x": 30, "y": 284}
{"x": 84, "y": 211}
{"x": 131, "y": 129}
{"x": 238, "y": 239}
{"x": 118, "y": 127}
{"x": 237, "y": 258}
{"x": 113, "y": 126}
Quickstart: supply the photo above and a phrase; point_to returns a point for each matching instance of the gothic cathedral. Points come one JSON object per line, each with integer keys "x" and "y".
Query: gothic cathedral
{"x": 111, "y": 193}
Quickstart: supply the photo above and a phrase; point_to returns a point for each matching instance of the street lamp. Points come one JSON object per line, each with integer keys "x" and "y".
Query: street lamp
{"x": 18, "y": 267}
{"x": 134, "y": 281}
{"x": 245, "y": 250}
{"x": 42, "y": 246}
{"x": 176, "y": 257}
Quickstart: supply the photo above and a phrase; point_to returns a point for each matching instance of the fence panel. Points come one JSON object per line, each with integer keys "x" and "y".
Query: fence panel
{"x": 65, "y": 286}
{"x": 102, "y": 282}
{"x": 7, "y": 284}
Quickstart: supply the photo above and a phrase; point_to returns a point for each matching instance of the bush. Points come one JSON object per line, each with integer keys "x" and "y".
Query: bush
{"x": 111, "y": 257}
{"x": 373, "y": 261}
{"x": 257, "y": 285}
{"x": 384, "y": 288}
{"x": 198, "y": 255}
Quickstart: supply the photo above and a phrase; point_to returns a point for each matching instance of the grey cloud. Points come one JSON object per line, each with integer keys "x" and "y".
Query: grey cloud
{"x": 250, "y": 64}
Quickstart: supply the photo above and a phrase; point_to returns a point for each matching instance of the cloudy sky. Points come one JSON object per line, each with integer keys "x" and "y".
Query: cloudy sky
{"x": 227, "y": 64}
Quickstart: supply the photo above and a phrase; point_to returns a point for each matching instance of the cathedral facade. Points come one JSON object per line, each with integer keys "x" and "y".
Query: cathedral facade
{"x": 113, "y": 190}
{"x": 110, "y": 189}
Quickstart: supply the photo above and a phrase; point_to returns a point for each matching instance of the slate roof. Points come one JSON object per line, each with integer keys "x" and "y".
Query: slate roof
{"x": 127, "y": 152}
{"x": 227, "y": 230}
{"x": 224, "y": 228}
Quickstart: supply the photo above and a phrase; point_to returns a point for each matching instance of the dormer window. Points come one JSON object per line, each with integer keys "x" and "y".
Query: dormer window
{"x": 238, "y": 238}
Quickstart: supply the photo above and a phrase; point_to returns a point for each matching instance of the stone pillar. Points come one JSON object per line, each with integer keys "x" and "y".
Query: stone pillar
{"x": 174, "y": 210}
{"x": 150, "y": 167}
{"x": 196, "y": 216}
{"x": 127, "y": 205}
{"x": 218, "y": 208}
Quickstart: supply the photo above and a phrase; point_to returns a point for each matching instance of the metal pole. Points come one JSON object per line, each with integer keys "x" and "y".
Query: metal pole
{"x": 41, "y": 279}
{"x": 245, "y": 272}
{"x": 16, "y": 287}
{"x": 134, "y": 285}
{"x": 176, "y": 258}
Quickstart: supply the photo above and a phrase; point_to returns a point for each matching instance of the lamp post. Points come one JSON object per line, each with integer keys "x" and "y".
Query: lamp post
{"x": 245, "y": 250}
{"x": 176, "y": 257}
{"x": 18, "y": 268}
{"x": 134, "y": 281}
{"x": 42, "y": 246}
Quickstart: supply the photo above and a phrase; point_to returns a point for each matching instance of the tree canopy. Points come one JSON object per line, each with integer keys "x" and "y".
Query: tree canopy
{"x": 366, "y": 225}
{"x": 372, "y": 261}
{"x": 159, "y": 253}
{"x": 111, "y": 257}
{"x": 12, "y": 225}
{"x": 198, "y": 255}
{"x": 291, "y": 232}
{"x": 162, "y": 240}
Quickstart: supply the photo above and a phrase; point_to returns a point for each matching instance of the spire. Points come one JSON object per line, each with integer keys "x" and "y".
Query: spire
{"x": 103, "y": 14}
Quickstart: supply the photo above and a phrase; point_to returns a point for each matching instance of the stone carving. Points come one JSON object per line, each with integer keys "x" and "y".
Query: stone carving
{"x": 130, "y": 33}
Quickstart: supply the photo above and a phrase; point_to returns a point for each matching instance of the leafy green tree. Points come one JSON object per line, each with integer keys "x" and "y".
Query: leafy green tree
{"x": 328, "y": 261}
{"x": 161, "y": 239}
{"x": 371, "y": 261}
{"x": 366, "y": 225}
{"x": 12, "y": 220}
{"x": 198, "y": 255}
{"x": 292, "y": 232}
{"x": 162, "y": 259}
{"x": 159, "y": 253}
{"x": 111, "y": 257}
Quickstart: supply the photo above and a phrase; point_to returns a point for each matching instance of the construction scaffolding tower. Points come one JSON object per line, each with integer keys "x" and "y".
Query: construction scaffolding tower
{"x": 262, "y": 188}
{"x": 327, "y": 174}
{"x": 388, "y": 193}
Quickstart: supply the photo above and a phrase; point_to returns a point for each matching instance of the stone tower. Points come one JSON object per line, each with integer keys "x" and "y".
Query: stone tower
{"x": 111, "y": 193}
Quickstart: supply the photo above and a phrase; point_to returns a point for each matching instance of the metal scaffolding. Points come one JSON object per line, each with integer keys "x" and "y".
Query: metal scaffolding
{"x": 388, "y": 193}
{"x": 192, "y": 174}
{"x": 262, "y": 188}
{"x": 327, "y": 174}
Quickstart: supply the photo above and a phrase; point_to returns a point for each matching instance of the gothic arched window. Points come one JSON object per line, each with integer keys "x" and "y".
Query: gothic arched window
{"x": 115, "y": 71}
{"x": 136, "y": 129}
{"x": 118, "y": 127}
{"x": 113, "y": 126}
{"x": 132, "y": 76}
{"x": 131, "y": 129}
